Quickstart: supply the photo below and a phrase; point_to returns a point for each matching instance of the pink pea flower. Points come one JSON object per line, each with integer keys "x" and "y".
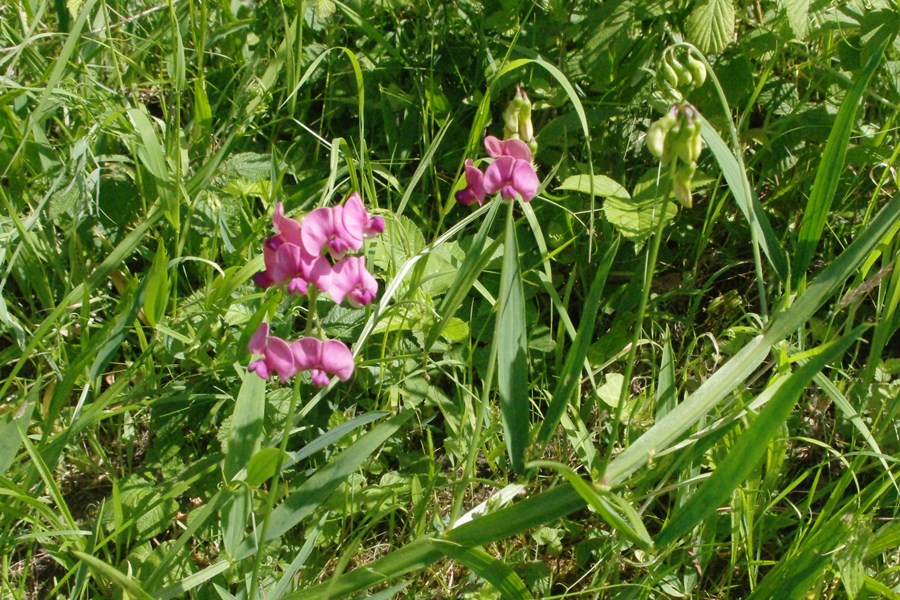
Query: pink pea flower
{"x": 474, "y": 189}
{"x": 324, "y": 230}
{"x": 276, "y": 355}
{"x": 509, "y": 175}
{"x": 515, "y": 148}
{"x": 355, "y": 217}
{"x": 350, "y": 280}
{"x": 323, "y": 359}
{"x": 285, "y": 259}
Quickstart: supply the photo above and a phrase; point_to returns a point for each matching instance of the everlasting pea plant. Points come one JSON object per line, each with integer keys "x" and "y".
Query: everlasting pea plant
{"x": 307, "y": 257}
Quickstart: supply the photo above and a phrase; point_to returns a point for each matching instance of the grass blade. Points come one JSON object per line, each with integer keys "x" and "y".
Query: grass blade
{"x": 831, "y": 167}
{"x": 752, "y": 445}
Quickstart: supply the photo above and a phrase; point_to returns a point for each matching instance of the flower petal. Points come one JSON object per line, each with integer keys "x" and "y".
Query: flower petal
{"x": 306, "y": 353}
{"x": 257, "y": 343}
{"x": 498, "y": 174}
{"x": 318, "y": 229}
{"x": 525, "y": 180}
{"x": 337, "y": 359}
{"x": 517, "y": 149}
{"x": 493, "y": 146}
{"x": 280, "y": 359}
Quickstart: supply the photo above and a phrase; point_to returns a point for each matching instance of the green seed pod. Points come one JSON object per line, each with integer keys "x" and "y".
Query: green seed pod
{"x": 681, "y": 185}
{"x": 697, "y": 69}
{"x": 667, "y": 75}
{"x": 656, "y": 137}
{"x": 684, "y": 76}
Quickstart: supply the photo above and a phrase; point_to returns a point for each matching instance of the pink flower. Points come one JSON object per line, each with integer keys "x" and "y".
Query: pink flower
{"x": 509, "y": 175}
{"x": 350, "y": 279}
{"x": 323, "y": 359}
{"x": 355, "y": 217}
{"x": 276, "y": 355}
{"x": 474, "y": 189}
{"x": 324, "y": 230}
{"x": 515, "y": 148}
{"x": 285, "y": 259}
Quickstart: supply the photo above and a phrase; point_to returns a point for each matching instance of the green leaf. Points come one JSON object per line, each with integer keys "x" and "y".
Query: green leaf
{"x": 636, "y": 218}
{"x": 603, "y": 186}
{"x": 613, "y": 509}
{"x": 710, "y": 26}
{"x": 157, "y": 295}
{"x": 113, "y": 575}
{"x": 797, "y": 12}
{"x": 503, "y": 578}
{"x": 511, "y": 341}
{"x": 473, "y": 264}
{"x": 736, "y": 178}
{"x": 832, "y": 166}
{"x": 244, "y": 440}
{"x": 262, "y": 466}
{"x": 751, "y": 446}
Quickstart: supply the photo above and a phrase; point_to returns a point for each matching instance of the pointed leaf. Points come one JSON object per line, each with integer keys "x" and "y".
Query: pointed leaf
{"x": 711, "y": 25}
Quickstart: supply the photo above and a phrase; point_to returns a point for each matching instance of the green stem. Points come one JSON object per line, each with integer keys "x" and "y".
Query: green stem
{"x": 273, "y": 489}
{"x": 649, "y": 268}
{"x": 745, "y": 183}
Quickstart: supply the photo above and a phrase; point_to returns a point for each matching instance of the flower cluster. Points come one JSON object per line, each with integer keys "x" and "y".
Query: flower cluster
{"x": 675, "y": 139}
{"x": 510, "y": 173}
{"x": 315, "y": 253}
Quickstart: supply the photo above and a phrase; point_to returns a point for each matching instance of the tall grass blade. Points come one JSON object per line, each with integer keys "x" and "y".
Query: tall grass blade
{"x": 752, "y": 445}
{"x": 832, "y": 166}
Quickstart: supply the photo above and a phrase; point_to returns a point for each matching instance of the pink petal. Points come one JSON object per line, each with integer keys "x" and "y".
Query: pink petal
{"x": 525, "y": 180}
{"x": 498, "y": 174}
{"x": 319, "y": 377}
{"x": 318, "y": 228}
{"x": 306, "y": 353}
{"x": 257, "y": 343}
{"x": 288, "y": 263}
{"x": 337, "y": 359}
{"x": 259, "y": 367}
{"x": 374, "y": 227}
{"x": 280, "y": 359}
{"x": 474, "y": 189}
{"x": 344, "y": 276}
{"x": 517, "y": 149}
{"x": 493, "y": 146}
{"x": 288, "y": 228}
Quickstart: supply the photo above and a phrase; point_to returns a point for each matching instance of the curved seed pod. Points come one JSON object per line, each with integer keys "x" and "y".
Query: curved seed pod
{"x": 697, "y": 69}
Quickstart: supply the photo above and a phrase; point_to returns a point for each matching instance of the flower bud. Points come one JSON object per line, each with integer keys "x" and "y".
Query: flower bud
{"x": 681, "y": 186}
{"x": 682, "y": 74}
{"x": 517, "y": 123}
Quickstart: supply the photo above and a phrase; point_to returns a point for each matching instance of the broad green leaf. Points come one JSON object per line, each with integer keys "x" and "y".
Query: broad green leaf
{"x": 665, "y": 384}
{"x": 10, "y": 423}
{"x": 603, "y": 186}
{"x": 613, "y": 509}
{"x": 156, "y": 296}
{"x": 797, "y": 12}
{"x": 830, "y": 169}
{"x": 512, "y": 347}
{"x": 244, "y": 440}
{"x": 152, "y": 155}
{"x": 263, "y": 465}
{"x": 750, "y": 448}
{"x": 710, "y": 26}
{"x": 637, "y": 217}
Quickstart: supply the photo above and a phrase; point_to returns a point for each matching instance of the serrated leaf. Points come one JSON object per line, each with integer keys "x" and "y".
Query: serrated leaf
{"x": 710, "y": 26}
{"x": 797, "y": 12}
{"x": 603, "y": 186}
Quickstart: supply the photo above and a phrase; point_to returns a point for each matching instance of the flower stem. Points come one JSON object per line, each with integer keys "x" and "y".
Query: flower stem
{"x": 649, "y": 269}
{"x": 273, "y": 488}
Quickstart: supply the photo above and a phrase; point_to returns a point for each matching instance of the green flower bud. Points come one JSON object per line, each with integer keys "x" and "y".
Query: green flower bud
{"x": 683, "y": 75}
{"x": 656, "y": 137}
{"x": 667, "y": 75}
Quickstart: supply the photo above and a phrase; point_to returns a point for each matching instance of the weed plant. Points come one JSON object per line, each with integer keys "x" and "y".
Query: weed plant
{"x": 672, "y": 373}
